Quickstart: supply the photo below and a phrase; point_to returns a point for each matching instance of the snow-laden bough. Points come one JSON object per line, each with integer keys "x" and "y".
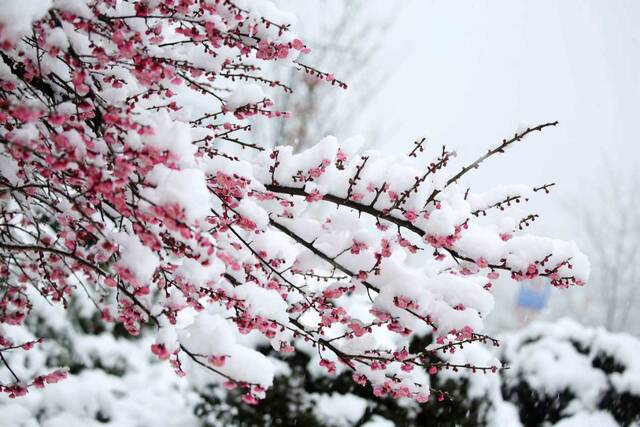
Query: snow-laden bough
{"x": 128, "y": 177}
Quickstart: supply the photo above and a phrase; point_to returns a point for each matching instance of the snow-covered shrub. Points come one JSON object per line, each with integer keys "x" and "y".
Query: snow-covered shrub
{"x": 126, "y": 180}
{"x": 558, "y": 373}
{"x": 114, "y": 379}
{"x": 563, "y": 370}
{"x": 304, "y": 395}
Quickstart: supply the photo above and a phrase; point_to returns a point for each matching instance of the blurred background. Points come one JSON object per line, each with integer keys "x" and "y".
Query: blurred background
{"x": 466, "y": 75}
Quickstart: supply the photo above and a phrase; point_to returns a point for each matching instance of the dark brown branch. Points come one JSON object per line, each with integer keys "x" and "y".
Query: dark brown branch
{"x": 499, "y": 149}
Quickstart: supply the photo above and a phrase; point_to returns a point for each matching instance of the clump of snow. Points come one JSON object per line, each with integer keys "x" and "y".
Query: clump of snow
{"x": 378, "y": 421}
{"x": 600, "y": 419}
{"x": 135, "y": 256}
{"x": 245, "y": 94}
{"x": 211, "y": 334}
{"x": 57, "y": 38}
{"x": 185, "y": 187}
{"x": 16, "y": 17}
{"x": 339, "y": 409}
{"x": 200, "y": 275}
{"x": 263, "y": 302}
{"x": 173, "y": 135}
{"x": 77, "y": 7}
{"x": 252, "y": 211}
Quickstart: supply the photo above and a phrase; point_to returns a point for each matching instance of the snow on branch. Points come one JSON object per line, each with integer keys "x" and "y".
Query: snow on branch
{"x": 124, "y": 180}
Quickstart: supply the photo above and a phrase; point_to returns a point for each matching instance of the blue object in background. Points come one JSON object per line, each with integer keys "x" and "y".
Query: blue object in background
{"x": 533, "y": 294}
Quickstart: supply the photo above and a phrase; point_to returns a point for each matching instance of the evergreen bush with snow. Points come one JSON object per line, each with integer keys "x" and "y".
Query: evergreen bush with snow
{"x": 132, "y": 196}
{"x": 557, "y": 373}
{"x": 568, "y": 374}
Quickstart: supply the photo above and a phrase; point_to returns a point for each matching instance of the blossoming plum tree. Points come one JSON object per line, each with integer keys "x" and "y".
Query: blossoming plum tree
{"x": 127, "y": 177}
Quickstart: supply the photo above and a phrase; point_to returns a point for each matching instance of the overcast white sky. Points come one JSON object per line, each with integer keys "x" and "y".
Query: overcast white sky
{"x": 471, "y": 72}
